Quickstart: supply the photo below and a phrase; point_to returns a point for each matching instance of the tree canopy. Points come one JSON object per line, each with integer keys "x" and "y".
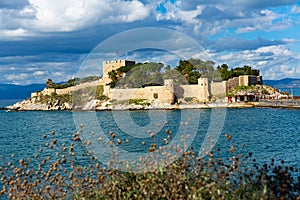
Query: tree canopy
{"x": 138, "y": 75}
{"x": 235, "y": 72}
{"x": 187, "y": 71}
{"x": 154, "y": 74}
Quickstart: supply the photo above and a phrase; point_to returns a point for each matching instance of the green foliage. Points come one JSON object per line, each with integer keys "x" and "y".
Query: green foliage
{"x": 189, "y": 71}
{"x": 88, "y": 79}
{"x": 139, "y": 75}
{"x": 229, "y": 94}
{"x": 142, "y": 102}
{"x": 125, "y": 69}
{"x": 54, "y": 98}
{"x": 265, "y": 91}
{"x": 193, "y": 69}
{"x": 175, "y": 75}
{"x": 244, "y": 88}
{"x": 82, "y": 96}
{"x": 49, "y": 83}
{"x": 99, "y": 93}
{"x": 235, "y": 72}
{"x": 71, "y": 82}
{"x": 188, "y": 99}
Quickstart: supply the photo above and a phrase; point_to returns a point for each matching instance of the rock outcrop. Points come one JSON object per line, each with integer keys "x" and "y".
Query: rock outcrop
{"x": 30, "y": 104}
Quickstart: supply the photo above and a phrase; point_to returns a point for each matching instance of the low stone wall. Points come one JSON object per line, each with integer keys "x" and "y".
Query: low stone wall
{"x": 50, "y": 91}
{"x": 77, "y": 87}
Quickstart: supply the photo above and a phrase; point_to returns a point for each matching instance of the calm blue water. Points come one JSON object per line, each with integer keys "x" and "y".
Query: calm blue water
{"x": 4, "y": 103}
{"x": 268, "y": 133}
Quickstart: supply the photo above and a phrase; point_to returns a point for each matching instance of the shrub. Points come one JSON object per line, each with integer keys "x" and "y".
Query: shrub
{"x": 62, "y": 176}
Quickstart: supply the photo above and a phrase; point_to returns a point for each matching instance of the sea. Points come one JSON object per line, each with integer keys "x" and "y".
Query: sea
{"x": 265, "y": 132}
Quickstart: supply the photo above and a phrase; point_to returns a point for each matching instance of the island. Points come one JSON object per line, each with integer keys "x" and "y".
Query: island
{"x": 194, "y": 83}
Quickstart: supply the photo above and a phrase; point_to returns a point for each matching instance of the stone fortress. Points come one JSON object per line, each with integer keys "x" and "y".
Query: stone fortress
{"x": 168, "y": 93}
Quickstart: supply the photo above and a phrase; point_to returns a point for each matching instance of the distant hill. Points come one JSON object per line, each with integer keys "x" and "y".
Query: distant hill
{"x": 284, "y": 83}
{"x": 10, "y": 91}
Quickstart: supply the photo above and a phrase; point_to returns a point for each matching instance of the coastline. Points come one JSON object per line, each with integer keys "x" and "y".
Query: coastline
{"x": 25, "y": 106}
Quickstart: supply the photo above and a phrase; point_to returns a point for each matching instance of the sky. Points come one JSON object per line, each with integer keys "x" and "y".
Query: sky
{"x": 41, "y": 39}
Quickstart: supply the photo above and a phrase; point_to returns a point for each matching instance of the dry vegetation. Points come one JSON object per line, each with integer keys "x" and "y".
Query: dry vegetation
{"x": 59, "y": 172}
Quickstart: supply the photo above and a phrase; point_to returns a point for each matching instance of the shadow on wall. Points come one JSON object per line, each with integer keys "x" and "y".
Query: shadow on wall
{"x": 179, "y": 92}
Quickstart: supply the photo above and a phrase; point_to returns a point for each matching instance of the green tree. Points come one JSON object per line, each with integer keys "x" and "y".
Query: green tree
{"x": 49, "y": 83}
{"x": 193, "y": 69}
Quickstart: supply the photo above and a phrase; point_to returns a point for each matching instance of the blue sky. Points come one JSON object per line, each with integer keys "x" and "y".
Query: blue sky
{"x": 42, "y": 39}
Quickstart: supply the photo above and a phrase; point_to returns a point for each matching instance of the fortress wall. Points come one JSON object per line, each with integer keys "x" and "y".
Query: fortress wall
{"x": 199, "y": 91}
{"x": 77, "y": 87}
{"x": 232, "y": 83}
{"x": 248, "y": 80}
{"x": 218, "y": 88}
{"x": 48, "y": 91}
{"x": 184, "y": 91}
{"x": 253, "y": 80}
{"x": 35, "y": 94}
{"x": 161, "y": 93}
{"x": 120, "y": 94}
{"x": 64, "y": 91}
{"x": 243, "y": 81}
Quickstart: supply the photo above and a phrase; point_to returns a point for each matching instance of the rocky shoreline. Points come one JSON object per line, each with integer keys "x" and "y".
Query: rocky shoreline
{"x": 28, "y": 105}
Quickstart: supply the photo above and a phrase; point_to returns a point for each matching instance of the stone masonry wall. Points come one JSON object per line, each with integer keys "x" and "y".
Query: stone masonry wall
{"x": 232, "y": 83}
{"x": 199, "y": 91}
{"x": 162, "y": 93}
{"x": 218, "y": 88}
{"x": 50, "y": 91}
{"x": 77, "y": 87}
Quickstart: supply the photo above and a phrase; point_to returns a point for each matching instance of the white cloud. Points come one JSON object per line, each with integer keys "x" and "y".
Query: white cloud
{"x": 69, "y": 15}
{"x": 282, "y": 71}
{"x": 62, "y": 16}
{"x": 274, "y": 62}
{"x": 57, "y": 74}
{"x": 207, "y": 18}
{"x": 175, "y": 13}
{"x": 16, "y": 34}
{"x": 39, "y": 73}
{"x": 289, "y": 40}
{"x": 295, "y": 9}
{"x": 210, "y": 22}
{"x": 16, "y": 77}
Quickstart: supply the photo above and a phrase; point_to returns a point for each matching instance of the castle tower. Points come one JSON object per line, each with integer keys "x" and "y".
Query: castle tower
{"x": 108, "y": 66}
{"x": 204, "y": 89}
{"x": 168, "y": 96}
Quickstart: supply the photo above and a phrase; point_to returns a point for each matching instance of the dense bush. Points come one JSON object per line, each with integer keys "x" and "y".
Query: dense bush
{"x": 54, "y": 98}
